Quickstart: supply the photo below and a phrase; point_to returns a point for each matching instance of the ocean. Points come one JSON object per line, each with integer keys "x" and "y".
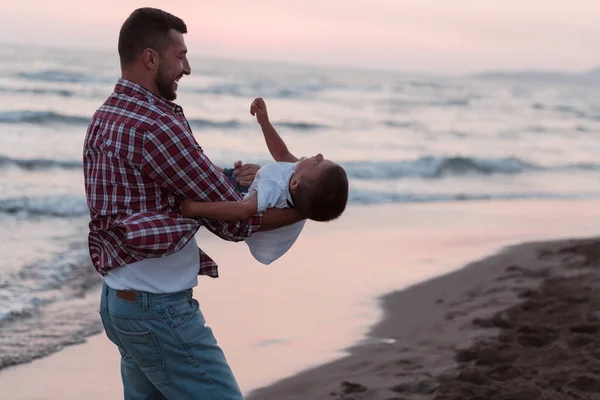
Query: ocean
{"x": 402, "y": 137}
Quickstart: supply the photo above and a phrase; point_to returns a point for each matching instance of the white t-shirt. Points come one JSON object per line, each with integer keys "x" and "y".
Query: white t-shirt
{"x": 168, "y": 274}
{"x": 271, "y": 185}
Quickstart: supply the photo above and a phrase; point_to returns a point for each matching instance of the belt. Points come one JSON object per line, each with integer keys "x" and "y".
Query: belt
{"x": 126, "y": 295}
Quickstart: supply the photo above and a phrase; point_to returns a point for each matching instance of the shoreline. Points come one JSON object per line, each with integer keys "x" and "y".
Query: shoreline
{"x": 429, "y": 343}
{"x": 426, "y": 232}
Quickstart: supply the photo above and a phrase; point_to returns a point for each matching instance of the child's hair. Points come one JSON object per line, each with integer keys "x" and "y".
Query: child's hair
{"x": 323, "y": 199}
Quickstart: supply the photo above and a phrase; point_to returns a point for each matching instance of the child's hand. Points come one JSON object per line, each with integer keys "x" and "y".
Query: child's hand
{"x": 259, "y": 109}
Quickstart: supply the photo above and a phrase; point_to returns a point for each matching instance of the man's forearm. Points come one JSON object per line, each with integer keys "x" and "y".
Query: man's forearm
{"x": 275, "y": 218}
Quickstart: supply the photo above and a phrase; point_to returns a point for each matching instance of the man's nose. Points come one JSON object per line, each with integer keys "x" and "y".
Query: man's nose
{"x": 319, "y": 157}
{"x": 187, "y": 69}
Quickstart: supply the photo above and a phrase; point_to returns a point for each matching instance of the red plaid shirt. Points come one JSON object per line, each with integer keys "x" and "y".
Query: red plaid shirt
{"x": 140, "y": 159}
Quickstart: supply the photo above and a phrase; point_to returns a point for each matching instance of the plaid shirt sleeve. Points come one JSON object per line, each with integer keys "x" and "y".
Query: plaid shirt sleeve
{"x": 174, "y": 160}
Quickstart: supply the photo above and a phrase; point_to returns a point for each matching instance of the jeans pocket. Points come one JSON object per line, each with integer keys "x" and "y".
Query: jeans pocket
{"x": 144, "y": 349}
{"x": 189, "y": 321}
{"x": 184, "y": 312}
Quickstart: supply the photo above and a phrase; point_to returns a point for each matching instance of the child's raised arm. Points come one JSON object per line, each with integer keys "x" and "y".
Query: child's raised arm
{"x": 275, "y": 143}
{"x": 222, "y": 210}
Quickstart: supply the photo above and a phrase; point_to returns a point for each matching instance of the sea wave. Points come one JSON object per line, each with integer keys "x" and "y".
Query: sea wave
{"x": 55, "y": 206}
{"x": 36, "y": 164}
{"x": 33, "y": 286}
{"x": 430, "y": 167}
{"x": 371, "y": 197}
{"x": 235, "y": 90}
{"x": 402, "y": 103}
{"x": 300, "y": 126}
{"x": 235, "y": 124}
{"x": 38, "y": 91}
{"x": 64, "y": 76}
{"x": 576, "y": 112}
{"x": 426, "y": 167}
{"x": 403, "y": 124}
{"x": 41, "y": 117}
{"x": 52, "y": 117}
{"x": 274, "y": 90}
{"x": 206, "y": 123}
{"x": 437, "y": 167}
{"x": 43, "y": 305}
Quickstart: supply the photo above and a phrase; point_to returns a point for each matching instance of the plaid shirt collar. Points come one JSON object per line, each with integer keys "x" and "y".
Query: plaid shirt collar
{"x": 132, "y": 89}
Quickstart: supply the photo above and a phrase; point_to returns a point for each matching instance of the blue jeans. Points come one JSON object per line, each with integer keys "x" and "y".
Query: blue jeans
{"x": 167, "y": 351}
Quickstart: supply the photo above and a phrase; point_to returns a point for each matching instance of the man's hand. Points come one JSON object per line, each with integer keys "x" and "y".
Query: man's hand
{"x": 259, "y": 109}
{"x": 245, "y": 173}
{"x": 187, "y": 208}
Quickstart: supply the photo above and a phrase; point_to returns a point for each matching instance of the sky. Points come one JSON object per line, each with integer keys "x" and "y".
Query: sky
{"x": 453, "y": 36}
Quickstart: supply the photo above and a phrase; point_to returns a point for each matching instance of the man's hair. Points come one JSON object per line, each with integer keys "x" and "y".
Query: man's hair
{"x": 146, "y": 28}
{"x": 324, "y": 199}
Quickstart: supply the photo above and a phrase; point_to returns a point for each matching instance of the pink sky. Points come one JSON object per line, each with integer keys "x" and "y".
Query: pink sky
{"x": 431, "y": 35}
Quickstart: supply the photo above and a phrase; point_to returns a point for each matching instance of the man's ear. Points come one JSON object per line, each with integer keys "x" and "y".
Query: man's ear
{"x": 151, "y": 59}
{"x": 294, "y": 184}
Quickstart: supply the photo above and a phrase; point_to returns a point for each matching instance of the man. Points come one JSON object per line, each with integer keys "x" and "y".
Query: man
{"x": 140, "y": 162}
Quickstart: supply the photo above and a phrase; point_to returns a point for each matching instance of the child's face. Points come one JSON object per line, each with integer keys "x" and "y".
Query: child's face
{"x": 310, "y": 168}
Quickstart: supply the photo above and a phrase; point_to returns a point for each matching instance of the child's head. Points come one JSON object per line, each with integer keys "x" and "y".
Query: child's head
{"x": 319, "y": 189}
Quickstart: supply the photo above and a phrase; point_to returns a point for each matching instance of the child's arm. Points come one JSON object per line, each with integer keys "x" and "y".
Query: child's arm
{"x": 222, "y": 210}
{"x": 275, "y": 143}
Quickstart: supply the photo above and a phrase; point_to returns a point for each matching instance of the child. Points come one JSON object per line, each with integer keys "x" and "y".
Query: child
{"x": 316, "y": 187}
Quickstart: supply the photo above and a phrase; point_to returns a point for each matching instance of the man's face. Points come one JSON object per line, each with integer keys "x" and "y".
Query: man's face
{"x": 173, "y": 65}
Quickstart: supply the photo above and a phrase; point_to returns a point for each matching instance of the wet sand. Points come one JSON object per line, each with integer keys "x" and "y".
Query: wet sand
{"x": 523, "y": 324}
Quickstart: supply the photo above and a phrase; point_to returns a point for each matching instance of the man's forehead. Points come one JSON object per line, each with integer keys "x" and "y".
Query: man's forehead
{"x": 176, "y": 40}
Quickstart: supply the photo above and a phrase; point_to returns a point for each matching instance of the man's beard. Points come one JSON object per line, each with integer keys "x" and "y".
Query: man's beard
{"x": 165, "y": 85}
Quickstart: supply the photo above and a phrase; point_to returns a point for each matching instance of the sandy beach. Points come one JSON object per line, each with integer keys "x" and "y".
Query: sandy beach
{"x": 518, "y": 324}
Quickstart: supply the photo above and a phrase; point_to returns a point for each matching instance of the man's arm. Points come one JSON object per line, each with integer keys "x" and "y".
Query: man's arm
{"x": 275, "y": 143}
{"x": 273, "y": 218}
{"x": 174, "y": 160}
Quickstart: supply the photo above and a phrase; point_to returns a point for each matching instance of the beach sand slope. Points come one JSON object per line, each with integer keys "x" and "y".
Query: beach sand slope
{"x": 522, "y": 324}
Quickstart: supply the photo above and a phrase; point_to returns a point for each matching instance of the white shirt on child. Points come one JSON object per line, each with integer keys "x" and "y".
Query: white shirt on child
{"x": 271, "y": 185}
